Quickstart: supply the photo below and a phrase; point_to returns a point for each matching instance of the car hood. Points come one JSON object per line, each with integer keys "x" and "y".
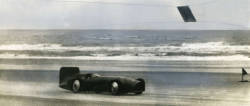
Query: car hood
{"x": 122, "y": 79}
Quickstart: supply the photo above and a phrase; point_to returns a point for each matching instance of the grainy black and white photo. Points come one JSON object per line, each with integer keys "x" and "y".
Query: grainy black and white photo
{"x": 124, "y": 52}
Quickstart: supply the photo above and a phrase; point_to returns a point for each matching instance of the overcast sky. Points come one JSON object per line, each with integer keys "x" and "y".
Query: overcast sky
{"x": 122, "y": 14}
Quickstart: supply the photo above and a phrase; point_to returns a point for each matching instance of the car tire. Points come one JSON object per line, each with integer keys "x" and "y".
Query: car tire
{"x": 114, "y": 89}
{"x": 143, "y": 81}
{"x": 76, "y": 85}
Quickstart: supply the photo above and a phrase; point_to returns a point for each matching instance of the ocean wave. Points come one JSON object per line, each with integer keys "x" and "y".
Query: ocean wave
{"x": 184, "y": 47}
{"x": 207, "y": 49}
{"x": 144, "y": 57}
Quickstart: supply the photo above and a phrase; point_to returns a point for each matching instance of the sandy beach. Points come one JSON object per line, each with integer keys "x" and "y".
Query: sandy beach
{"x": 10, "y": 100}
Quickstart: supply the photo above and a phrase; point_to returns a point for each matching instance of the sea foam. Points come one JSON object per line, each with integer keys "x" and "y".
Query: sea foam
{"x": 185, "y": 51}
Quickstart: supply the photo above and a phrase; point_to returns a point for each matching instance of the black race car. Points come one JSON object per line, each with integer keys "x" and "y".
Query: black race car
{"x": 71, "y": 79}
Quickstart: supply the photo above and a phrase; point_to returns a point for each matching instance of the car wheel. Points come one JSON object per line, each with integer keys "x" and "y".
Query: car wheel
{"x": 76, "y": 86}
{"x": 114, "y": 88}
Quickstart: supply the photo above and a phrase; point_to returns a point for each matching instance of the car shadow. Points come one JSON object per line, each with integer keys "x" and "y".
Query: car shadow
{"x": 103, "y": 93}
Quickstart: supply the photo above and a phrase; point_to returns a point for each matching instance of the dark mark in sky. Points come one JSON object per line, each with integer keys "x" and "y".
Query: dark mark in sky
{"x": 186, "y": 14}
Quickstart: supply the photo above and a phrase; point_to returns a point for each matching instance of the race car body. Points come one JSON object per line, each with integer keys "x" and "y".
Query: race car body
{"x": 71, "y": 79}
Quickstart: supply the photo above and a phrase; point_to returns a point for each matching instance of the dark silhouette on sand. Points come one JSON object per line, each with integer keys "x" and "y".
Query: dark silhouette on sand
{"x": 244, "y": 72}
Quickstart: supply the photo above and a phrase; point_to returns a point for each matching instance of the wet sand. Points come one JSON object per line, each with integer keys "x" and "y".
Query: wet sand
{"x": 10, "y": 100}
